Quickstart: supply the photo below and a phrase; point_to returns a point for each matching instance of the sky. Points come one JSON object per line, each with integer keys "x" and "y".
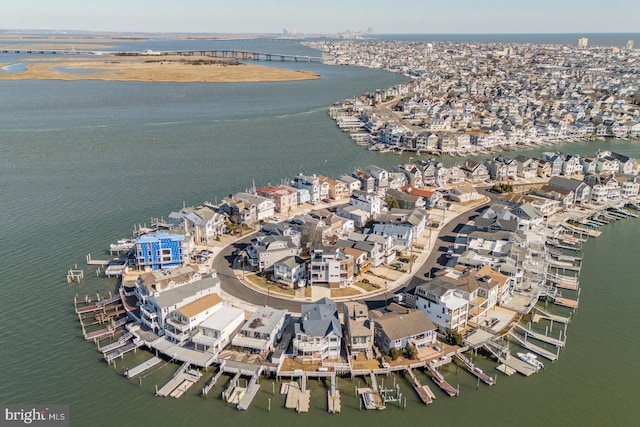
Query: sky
{"x": 325, "y": 16}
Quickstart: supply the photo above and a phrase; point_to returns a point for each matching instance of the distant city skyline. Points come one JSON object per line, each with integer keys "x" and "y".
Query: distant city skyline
{"x": 327, "y": 17}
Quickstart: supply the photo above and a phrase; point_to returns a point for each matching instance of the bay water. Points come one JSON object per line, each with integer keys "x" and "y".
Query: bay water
{"x": 82, "y": 162}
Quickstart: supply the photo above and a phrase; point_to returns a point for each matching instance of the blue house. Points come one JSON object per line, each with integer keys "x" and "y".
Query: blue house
{"x": 160, "y": 250}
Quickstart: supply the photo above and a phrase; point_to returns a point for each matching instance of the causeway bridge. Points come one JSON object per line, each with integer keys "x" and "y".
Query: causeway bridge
{"x": 240, "y": 55}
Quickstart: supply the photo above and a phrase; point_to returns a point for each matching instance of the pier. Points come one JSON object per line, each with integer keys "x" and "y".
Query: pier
{"x": 180, "y": 382}
{"x": 473, "y": 370}
{"x": 534, "y": 348}
{"x": 541, "y": 337}
{"x": 207, "y": 388}
{"x": 144, "y": 366}
{"x": 298, "y": 397}
{"x": 424, "y": 392}
{"x": 438, "y": 378}
{"x": 548, "y": 316}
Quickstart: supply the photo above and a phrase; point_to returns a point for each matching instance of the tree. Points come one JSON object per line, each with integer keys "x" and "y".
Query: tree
{"x": 370, "y": 221}
{"x": 394, "y": 353}
{"x": 391, "y": 203}
{"x": 454, "y": 337}
{"x": 410, "y": 351}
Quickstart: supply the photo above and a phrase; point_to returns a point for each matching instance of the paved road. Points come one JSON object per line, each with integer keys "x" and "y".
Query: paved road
{"x": 437, "y": 260}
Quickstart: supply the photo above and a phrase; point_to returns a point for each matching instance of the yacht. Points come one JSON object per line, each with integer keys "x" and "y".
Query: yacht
{"x": 531, "y": 359}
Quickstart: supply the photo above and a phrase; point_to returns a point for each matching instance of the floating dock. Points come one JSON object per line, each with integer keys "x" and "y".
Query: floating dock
{"x": 181, "y": 381}
{"x": 548, "y": 316}
{"x": 541, "y": 337}
{"x": 296, "y": 398}
{"x": 144, "y": 366}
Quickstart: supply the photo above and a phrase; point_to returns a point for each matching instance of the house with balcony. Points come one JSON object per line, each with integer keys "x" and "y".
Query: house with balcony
{"x": 284, "y": 198}
{"x": 330, "y": 266}
{"x": 368, "y": 202}
{"x": 376, "y": 251}
{"x": 367, "y": 182}
{"x": 265, "y": 250}
{"x": 400, "y": 326}
{"x": 338, "y": 190}
{"x": 358, "y": 329}
{"x": 214, "y": 333}
{"x": 351, "y": 182}
{"x": 262, "y": 208}
{"x": 555, "y": 160}
{"x": 262, "y": 331}
{"x": 309, "y": 183}
{"x": 406, "y": 200}
{"x": 158, "y": 251}
{"x": 527, "y": 167}
{"x": 581, "y": 191}
{"x": 475, "y": 171}
{"x": 203, "y": 223}
{"x": 464, "y": 192}
{"x": 156, "y": 281}
{"x": 571, "y": 164}
{"x": 157, "y": 307}
{"x": 318, "y": 334}
{"x": 443, "y": 303}
{"x": 183, "y": 322}
{"x": 381, "y": 177}
{"x": 290, "y": 271}
{"x": 502, "y": 168}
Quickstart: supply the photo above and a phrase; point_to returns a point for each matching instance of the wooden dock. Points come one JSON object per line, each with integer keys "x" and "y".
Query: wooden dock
{"x": 296, "y": 398}
{"x": 541, "y": 337}
{"x": 552, "y": 317}
{"x": 207, "y": 388}
{"x": 513, "y": 364}
{"x": 180, "y": 382}
{"x": 565, "y": 302}
{"x": 473, "y": 370}
{"x": 532, "y": 347}
{"x": 438, "y": 378}
{"x": 144, "y": 366}
{"x": 424, "y": 392}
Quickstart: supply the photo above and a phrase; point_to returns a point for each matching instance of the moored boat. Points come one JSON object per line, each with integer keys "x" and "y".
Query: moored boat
{"x": 531, "y": 359}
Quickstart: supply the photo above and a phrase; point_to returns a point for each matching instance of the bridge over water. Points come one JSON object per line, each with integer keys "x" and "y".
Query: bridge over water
{"x": 241, "y": 55}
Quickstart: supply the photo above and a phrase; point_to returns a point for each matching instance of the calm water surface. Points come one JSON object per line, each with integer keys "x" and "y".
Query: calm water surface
{"x": 82, "y": 162}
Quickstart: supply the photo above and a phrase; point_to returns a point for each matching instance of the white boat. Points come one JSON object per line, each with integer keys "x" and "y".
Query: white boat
{"x": 122, "y": 245}
{"x": 531, "y": 359}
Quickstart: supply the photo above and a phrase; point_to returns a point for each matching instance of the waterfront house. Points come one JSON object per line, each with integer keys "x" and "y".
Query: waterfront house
{"x": 380, "y": 175}
{"x": 443, "y": 304}
{"x": 571, "y": 164}
{"x": 400, "y": 326}
{"x": 203, "y": 223}
{"x": 528, "y": 215}
{"x": 434, "y": 174}
{"x": 262, "y": 208}
{"x": 475, "y": 171}
{"x": 284, "y": 198}
{"x": 262, "y": 331}
{"x": 157, "y": 307}
{"x": 302, "y": 193}
{"x": 581, "y": 191}
{"x": 406, "y": 200}
{"x": 330, "y": 266}
{"x": 544, "y": 169}
{"x": 588, "y": 165}
{"x": 156, "y": 281}
{"x": 358, "y": 329}
{"x": 352, "y": 183}
{"x": 397, "y": 180}
{"x": 290, "y": 271}
{"x": 180, "y": 323}
{"x": 564, "y": 197}
{"x": 310, "y": 184}
{"x": 367, "y": 182}
{"x": 527, "y": 167}
{"x": 338, "y": 190}
{"x": 629, "y": 186}
{"x": 318, "y": 335}
{"x": 215, "y": 332}
{"x": 161, "y": 250}
{"x": 555, "y": 160}
{"x": 502, "y": 168}
{"x": 626, "y": 165}
{"x": 413, "y": 174}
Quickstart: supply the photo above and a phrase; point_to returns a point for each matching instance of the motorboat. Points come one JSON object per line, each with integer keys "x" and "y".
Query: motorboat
{"x": 531, "y": 359}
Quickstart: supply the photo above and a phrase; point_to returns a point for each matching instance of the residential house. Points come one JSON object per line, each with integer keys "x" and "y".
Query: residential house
{"x": 290, "y": 271}
{"x": 318, "y": 335}
{"x": 161, "y": 250}
{"x": 284, "y": 198}
{"x": 310, "y": 184}
{"x": 381, "y": 177}
{"x": 502, "y": 168}
{"x": 555, "y": 160}
{"x": 203, "y": 223}
{"x": 262, "y": 331}
{"x": 406, "y": 200}
{"x": 367, "y": 182}
{"x": 157, "y": 307}
{"x": 527, "y": 167}
{"x": 358, "y": 329}
{"x": 352, "y": 183}
{"x": 463, "y": 193}
{"x": 215, "y": 332}
{"x": 265, "y": 250}
{"x": 401, "y": 326}
{"x": 581, "y": 191}
{"x": 475, "y": 171}
{"x": 368, "y": 202}
{"x": 180, "y": 322}
{"x": 330, "y": 266}
{"x": 338, "y": 190}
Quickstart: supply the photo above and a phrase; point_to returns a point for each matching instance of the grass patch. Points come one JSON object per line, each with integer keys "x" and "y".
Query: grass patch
{"x": 343, "y": 292}
{"x": 367, "y": 287}
{"x": 272, "y": 287}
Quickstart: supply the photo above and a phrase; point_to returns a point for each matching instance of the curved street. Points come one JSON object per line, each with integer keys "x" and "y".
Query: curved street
{"x": 240, "y": 292}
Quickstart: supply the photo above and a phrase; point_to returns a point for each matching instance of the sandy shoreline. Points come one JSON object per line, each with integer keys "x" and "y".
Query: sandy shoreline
{"x": 152, "y": 69}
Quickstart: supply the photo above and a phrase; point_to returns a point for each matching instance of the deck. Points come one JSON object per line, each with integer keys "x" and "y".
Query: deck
{"x": 181, "y": 381}
{"x": 541, "y": 337}
{"x": 424, "y": 392}
{"x": 144, "y": 366}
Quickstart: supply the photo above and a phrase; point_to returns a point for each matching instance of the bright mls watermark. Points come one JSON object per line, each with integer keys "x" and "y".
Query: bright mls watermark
{"x": 36, "y": 415}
